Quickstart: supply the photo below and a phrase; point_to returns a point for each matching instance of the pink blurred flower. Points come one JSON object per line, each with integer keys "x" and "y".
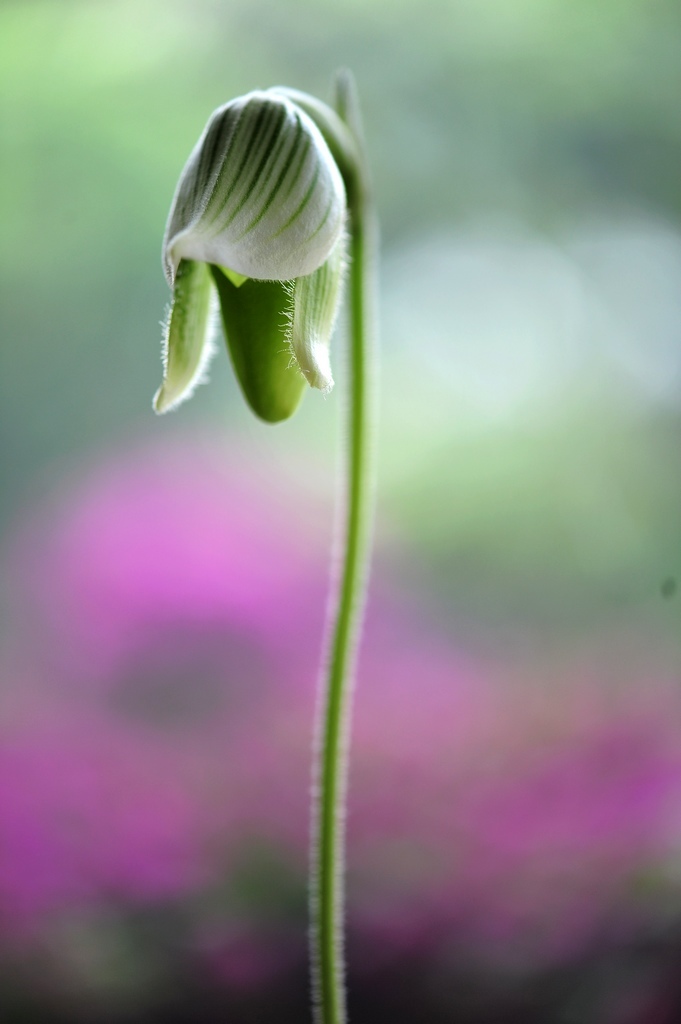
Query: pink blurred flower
{"x": 483, "y": 814}
{"x": 172, "y": 536}
{"x": 175, "y": 609}
{"x": 88, "y": 811}
{"x": 155, "y": 730}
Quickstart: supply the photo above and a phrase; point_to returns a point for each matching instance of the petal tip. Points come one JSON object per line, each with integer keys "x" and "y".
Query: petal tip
{"x": 162, "y": 402}
{"x": 317, "y": 373}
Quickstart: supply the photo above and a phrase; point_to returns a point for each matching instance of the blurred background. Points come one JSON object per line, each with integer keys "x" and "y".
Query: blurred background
{"x": 515, "y": 811}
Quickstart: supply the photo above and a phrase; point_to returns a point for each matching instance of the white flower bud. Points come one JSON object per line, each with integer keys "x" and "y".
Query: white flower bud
{"x": 262, "y": 202}
{"x": 260, "y": 194}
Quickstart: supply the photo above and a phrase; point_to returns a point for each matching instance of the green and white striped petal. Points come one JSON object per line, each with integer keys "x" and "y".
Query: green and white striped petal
{"x": 316, "y": 300}
{"x": 260, "y": 194}
{"x": 336, "y": 133}
{"x": 187, "y": 346}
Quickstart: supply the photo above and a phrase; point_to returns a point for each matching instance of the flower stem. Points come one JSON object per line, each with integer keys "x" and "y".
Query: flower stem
{"x": 345, "y": 618}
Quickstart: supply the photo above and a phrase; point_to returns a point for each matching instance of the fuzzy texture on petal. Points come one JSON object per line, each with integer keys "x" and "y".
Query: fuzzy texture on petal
{"x": 316, "y": 300}
{"x": 260, "y": 194}
{"x": 187, "y": 345}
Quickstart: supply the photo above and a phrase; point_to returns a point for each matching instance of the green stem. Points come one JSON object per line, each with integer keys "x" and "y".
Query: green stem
{"x": 331, "y": 755}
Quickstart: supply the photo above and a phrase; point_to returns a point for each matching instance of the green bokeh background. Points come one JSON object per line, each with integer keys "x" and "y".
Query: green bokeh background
{"x": 520, "y": 149}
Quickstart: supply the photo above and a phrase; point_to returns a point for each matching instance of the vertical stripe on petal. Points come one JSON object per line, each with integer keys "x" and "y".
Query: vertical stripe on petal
{"x": 260, "y": 193}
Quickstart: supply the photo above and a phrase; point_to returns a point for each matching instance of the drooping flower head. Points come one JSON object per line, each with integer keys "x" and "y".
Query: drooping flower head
{"x": 258, "y": 219}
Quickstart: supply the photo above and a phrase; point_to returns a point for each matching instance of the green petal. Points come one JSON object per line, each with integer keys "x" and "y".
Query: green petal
{"x": 186, "y": 346}
{"x": 254, "y": 316}
{"x": 316, "y": 299}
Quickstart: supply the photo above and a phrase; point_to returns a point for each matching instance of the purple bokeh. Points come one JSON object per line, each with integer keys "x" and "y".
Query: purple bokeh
{"x": 157, "y": 708}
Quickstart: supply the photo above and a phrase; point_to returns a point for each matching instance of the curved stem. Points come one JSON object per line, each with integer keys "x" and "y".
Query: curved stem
{"x": 331, "y": 763}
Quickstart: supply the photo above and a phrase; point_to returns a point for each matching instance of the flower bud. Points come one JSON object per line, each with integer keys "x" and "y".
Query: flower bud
{"x": 259, "y": 214}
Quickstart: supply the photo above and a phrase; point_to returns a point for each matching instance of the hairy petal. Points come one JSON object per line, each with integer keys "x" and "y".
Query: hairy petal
{"x": 260, "y": 194}
{"x": 186, "y": 346}
{"x": 316, "y": 300}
